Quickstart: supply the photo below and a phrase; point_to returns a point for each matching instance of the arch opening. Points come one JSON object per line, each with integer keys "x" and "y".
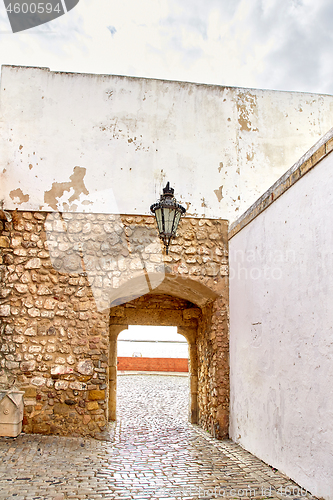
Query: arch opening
{"x": 147, "y": 348}
{"x": 156, "y": 310}
{"x": 199, "y": 309}
{"x": 152, "y": 373}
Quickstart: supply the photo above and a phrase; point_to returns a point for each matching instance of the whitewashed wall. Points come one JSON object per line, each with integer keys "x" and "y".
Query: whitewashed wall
{"x": 281, "y": 333}
{"x": 100, "y": 143}
{"x": 158, "y": 342}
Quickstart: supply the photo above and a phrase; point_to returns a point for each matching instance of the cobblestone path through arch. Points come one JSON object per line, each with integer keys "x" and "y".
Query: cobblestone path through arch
{"x": 152, "y": 453}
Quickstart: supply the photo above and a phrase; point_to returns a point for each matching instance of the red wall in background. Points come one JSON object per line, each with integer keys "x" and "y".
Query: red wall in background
{"x": 153, "y": 364}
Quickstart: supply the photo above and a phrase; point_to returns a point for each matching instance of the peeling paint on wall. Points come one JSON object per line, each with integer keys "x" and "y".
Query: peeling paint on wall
{"x": 52, "y": 196}
{"x": 136, "y": 134}
{"x": 18, "y": 194}
{"x": 246, "y": 106}
{"x": 218, "y": 193}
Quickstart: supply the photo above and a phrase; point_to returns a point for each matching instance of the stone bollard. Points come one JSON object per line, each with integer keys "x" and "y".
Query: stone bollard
{"x": 11, "y": 412}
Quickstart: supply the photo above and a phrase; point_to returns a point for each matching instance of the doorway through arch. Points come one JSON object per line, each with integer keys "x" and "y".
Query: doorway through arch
{"x": 156, "y": 310}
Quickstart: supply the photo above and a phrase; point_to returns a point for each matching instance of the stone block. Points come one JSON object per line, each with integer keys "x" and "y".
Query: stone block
{"x": 222, "y": 416}
{"x": 84, "y": 315}
{"x": 86, "y": 419}
{"x": 85, "y": 367}
{"x": 61, "y": 370}
{"x": 4, "y": 242}
{"x": 92, "y": 405}
{"x": 193, "y": 312}
{"x": 4, "y": 310}
{"x": 30, "y": 392}
{"x": 16, "y": 241}
{"x": 191, "y": 250}
{"x": 20, "y": 252}
{"x": 224, "y": 270}
{"x": 84, "y": 378}
{"x": 33, "y": 263}
{"x": 100, "y": 420}
{"x": 61, "y": 409}
{"x": 50, "y": 304}
{"x": 75, "y": 226}
{"x": 38, "y": 381}
{"x": 4, "y": 292}
{"x": 12, "y": 365}
{"x": 41, "y": 428}
{"x": 20, "y": 288}
{"x": 212, "y": 269}
{"x": 85, "y": 306}
{"x": 319, "y": 154}
{"x": 19, "y": 339}
{"x": 60, "y": 360}
{"x": 28, "y": 366}
{"x": 43, "y": 290}
{"x": 33, "y": 312}
{"x": 61, "y": 385}
{"x": 70, "y": 360}
{"x": 31, "y": 331}
{"x": 78, "y": 386}
{"x": 59, "y": 226}
{"x": 96, "y": 395}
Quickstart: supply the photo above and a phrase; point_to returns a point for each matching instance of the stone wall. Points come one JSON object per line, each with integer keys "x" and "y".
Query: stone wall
{"x": 54, "y": 341}
{"x": 62, "y": 274}
{"x": 213, "y": 368}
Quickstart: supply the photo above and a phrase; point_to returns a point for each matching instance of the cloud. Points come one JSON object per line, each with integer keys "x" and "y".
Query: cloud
{"x": 44, "y": 45}
{"x": 301, "y": 56}
{"x": 112, "y": 30}
{"x": 277, "y": 44}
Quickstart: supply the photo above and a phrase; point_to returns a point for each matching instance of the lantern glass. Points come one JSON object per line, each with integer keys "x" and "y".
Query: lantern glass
{"x": 168, "y": 220}
{"x": 176, "y": 221}
{"x": 159, "y": 219}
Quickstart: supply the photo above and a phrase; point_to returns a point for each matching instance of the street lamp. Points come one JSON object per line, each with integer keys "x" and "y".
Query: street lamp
{"x": 167, "y": 213}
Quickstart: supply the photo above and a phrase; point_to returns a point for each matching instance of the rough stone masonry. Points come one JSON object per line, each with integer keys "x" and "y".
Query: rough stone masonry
{"x": 63, "y": 276}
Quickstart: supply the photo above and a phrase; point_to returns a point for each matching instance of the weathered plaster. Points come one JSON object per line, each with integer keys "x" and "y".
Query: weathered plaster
{"x": 18, "y": 194}
{"x": 58, "y": 189}
{"x": 220, "y": 147}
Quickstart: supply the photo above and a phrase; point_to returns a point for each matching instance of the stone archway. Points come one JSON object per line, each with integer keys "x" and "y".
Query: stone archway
{"x": 200, "y": 314}
{"x": 75, "y": 281}
{"x": 156, "y": 310}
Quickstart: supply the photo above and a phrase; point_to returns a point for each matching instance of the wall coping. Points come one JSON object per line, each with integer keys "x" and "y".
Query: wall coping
{"x": 217, "y": 86}
{"x": 310, "y": 159}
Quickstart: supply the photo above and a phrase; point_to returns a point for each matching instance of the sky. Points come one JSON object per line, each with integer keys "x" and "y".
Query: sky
{"x": 268, "y": 44}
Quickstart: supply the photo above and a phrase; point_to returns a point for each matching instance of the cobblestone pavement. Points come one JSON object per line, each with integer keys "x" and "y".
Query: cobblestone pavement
{"x": 153, "y": 453}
